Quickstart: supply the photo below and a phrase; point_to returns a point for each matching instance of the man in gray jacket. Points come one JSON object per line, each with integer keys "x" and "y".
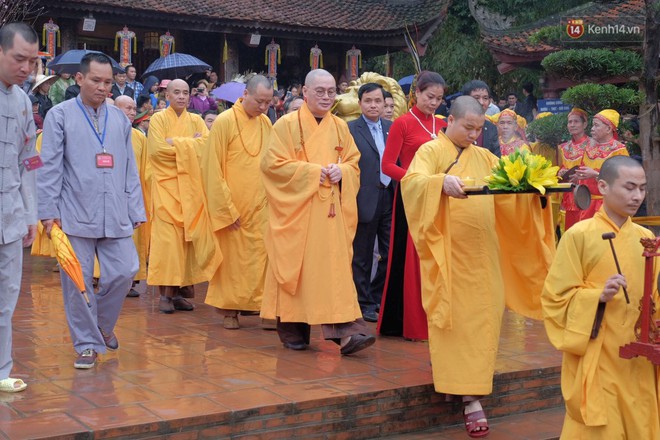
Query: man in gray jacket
{"x": 89, "y": 185}
{"x": 19, "y": 46}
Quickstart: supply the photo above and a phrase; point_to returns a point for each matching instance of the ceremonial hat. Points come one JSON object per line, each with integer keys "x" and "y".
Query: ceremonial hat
{"x": 40, "y": 80}
{"x": 520, "y": 121}
{"x": 543, "y": 115}
{"x": 609, "y": 117}
{"x": 579, "y": 112}
{"x": 141, "y": 117}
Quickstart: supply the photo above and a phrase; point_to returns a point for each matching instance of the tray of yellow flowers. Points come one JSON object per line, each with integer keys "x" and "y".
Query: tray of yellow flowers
{"x": 521, "y": 172}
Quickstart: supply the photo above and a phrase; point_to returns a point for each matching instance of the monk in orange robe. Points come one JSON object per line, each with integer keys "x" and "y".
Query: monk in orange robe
{"x": 471, "y": 250}
{"x": 183, "y": 249}
{"x": 606, "y": 396}
{"x": 237, "y": 201}
{"x": 311, "y": 176}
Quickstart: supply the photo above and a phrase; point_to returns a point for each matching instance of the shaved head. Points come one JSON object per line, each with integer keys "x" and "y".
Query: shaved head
{"x": 622, "y": 182}
{"x": 319, "y": 91}
{"x": 257, "y": 96}
{"x": 256, "y": 81}
{"x": 316, "y": 74}
{"x": 123, "y": 100}
{"x": 609, "y": 172}
{"x": 178, "y": 93}
{"x": 465, "y": 121}
{"x": 464, "y": 105}
{"x": 177, "y": 83}
{"x": 127, "y": 105}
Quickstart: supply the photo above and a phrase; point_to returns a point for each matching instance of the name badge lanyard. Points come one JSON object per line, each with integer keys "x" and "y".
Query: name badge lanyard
{"x": 99, "y": 136}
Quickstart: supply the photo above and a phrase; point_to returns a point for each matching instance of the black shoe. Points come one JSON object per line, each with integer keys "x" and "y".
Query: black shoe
{"x": 132, "y": 294}
{"x": 181, "y": 304}
{"x": 357, "y": 343}
{"x": 111, "y": 341}
{"x": 295, "y": 346}
{"x": 370, "y": 316}
{"x": 165, "y": 305}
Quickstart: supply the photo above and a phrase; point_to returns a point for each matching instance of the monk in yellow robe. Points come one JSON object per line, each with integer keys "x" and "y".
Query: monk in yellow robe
{"x": 311, "y": 176}
{"x": 183, "y": 250}
{"x": 142, "y": 234}
{"x": 465, "y": 247}
{"x": 606, "y": 397}
{"x": 237, "y": 201}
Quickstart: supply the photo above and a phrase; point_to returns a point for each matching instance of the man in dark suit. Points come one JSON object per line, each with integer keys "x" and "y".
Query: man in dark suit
{"x": 374, "y": 200}
{"x": 488, "y": 138}
{"x": 120, "y": 87}
{"x": 529, "y": 108}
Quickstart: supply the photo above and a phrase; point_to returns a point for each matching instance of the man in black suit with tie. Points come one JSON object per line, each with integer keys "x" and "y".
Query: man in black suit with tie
{"x": 374, "y": 200}
{"x": 488, "y": 139}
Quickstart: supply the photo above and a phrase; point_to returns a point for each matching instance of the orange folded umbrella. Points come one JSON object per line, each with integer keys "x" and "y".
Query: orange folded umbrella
{"x": 68, "y": 260}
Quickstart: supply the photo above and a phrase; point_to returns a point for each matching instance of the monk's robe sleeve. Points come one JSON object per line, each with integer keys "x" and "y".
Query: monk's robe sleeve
{"x": 569, "y": 306}
{"x": 136, "y": 209}
{"x": 525, "y": 229}
{"x": 181, "y": 161}
{"x": 158, "y": 149}
{"x": 290, "y": 183}
{"x": 427, "y": 211}
{"x": 144, "y": 168}
{"x": 214, "y": 161}
{"x": 196, "y": 143}
{"x": 203, "y": 130}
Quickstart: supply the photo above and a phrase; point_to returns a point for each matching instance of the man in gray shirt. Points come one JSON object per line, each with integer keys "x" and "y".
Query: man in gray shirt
{"x": 19, "y": 46}
{"x": 89, "y": 185}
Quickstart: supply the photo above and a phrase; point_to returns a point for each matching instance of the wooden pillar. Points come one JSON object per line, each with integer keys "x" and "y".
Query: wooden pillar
{"x": 231, "y": 67}
{"x": 68, "y": 36}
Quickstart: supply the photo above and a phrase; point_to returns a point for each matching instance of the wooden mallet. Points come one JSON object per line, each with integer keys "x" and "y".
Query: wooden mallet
{"x": 610, "y": 236}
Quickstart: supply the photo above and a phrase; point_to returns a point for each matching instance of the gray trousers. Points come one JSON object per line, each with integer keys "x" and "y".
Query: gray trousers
{"x": 11, "y": 269}
{"x": 119, "y": 263}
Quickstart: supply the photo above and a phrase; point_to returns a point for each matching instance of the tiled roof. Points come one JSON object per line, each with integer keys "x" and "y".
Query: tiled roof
{"x": 330, "y": 16}
{"x": 515, "y": 41}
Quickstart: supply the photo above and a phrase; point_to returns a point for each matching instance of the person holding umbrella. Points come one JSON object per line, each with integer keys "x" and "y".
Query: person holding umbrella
{"x": 19, "y": 46}
{"x": 89, "y": 186}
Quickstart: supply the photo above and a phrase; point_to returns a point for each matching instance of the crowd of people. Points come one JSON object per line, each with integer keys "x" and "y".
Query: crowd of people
{"x": 284, "y": 209}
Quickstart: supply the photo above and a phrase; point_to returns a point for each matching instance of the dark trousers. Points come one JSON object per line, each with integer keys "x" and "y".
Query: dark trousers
{"x": 370, "y": 291}
{"x": 298, "y": 332}
{"x": 174, "y": 291}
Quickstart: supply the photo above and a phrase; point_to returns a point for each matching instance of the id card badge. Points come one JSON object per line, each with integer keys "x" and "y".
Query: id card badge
{"x": 33, "y": 163}
{"x": 104, "y": 160}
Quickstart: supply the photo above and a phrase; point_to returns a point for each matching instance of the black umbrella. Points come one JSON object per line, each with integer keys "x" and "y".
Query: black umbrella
{"x": 69, "y": 62}
{"x": 176, "y": 65}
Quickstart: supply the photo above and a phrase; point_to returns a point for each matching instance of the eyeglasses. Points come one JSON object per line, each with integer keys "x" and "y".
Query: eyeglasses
{"x": 320, "y": 93}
